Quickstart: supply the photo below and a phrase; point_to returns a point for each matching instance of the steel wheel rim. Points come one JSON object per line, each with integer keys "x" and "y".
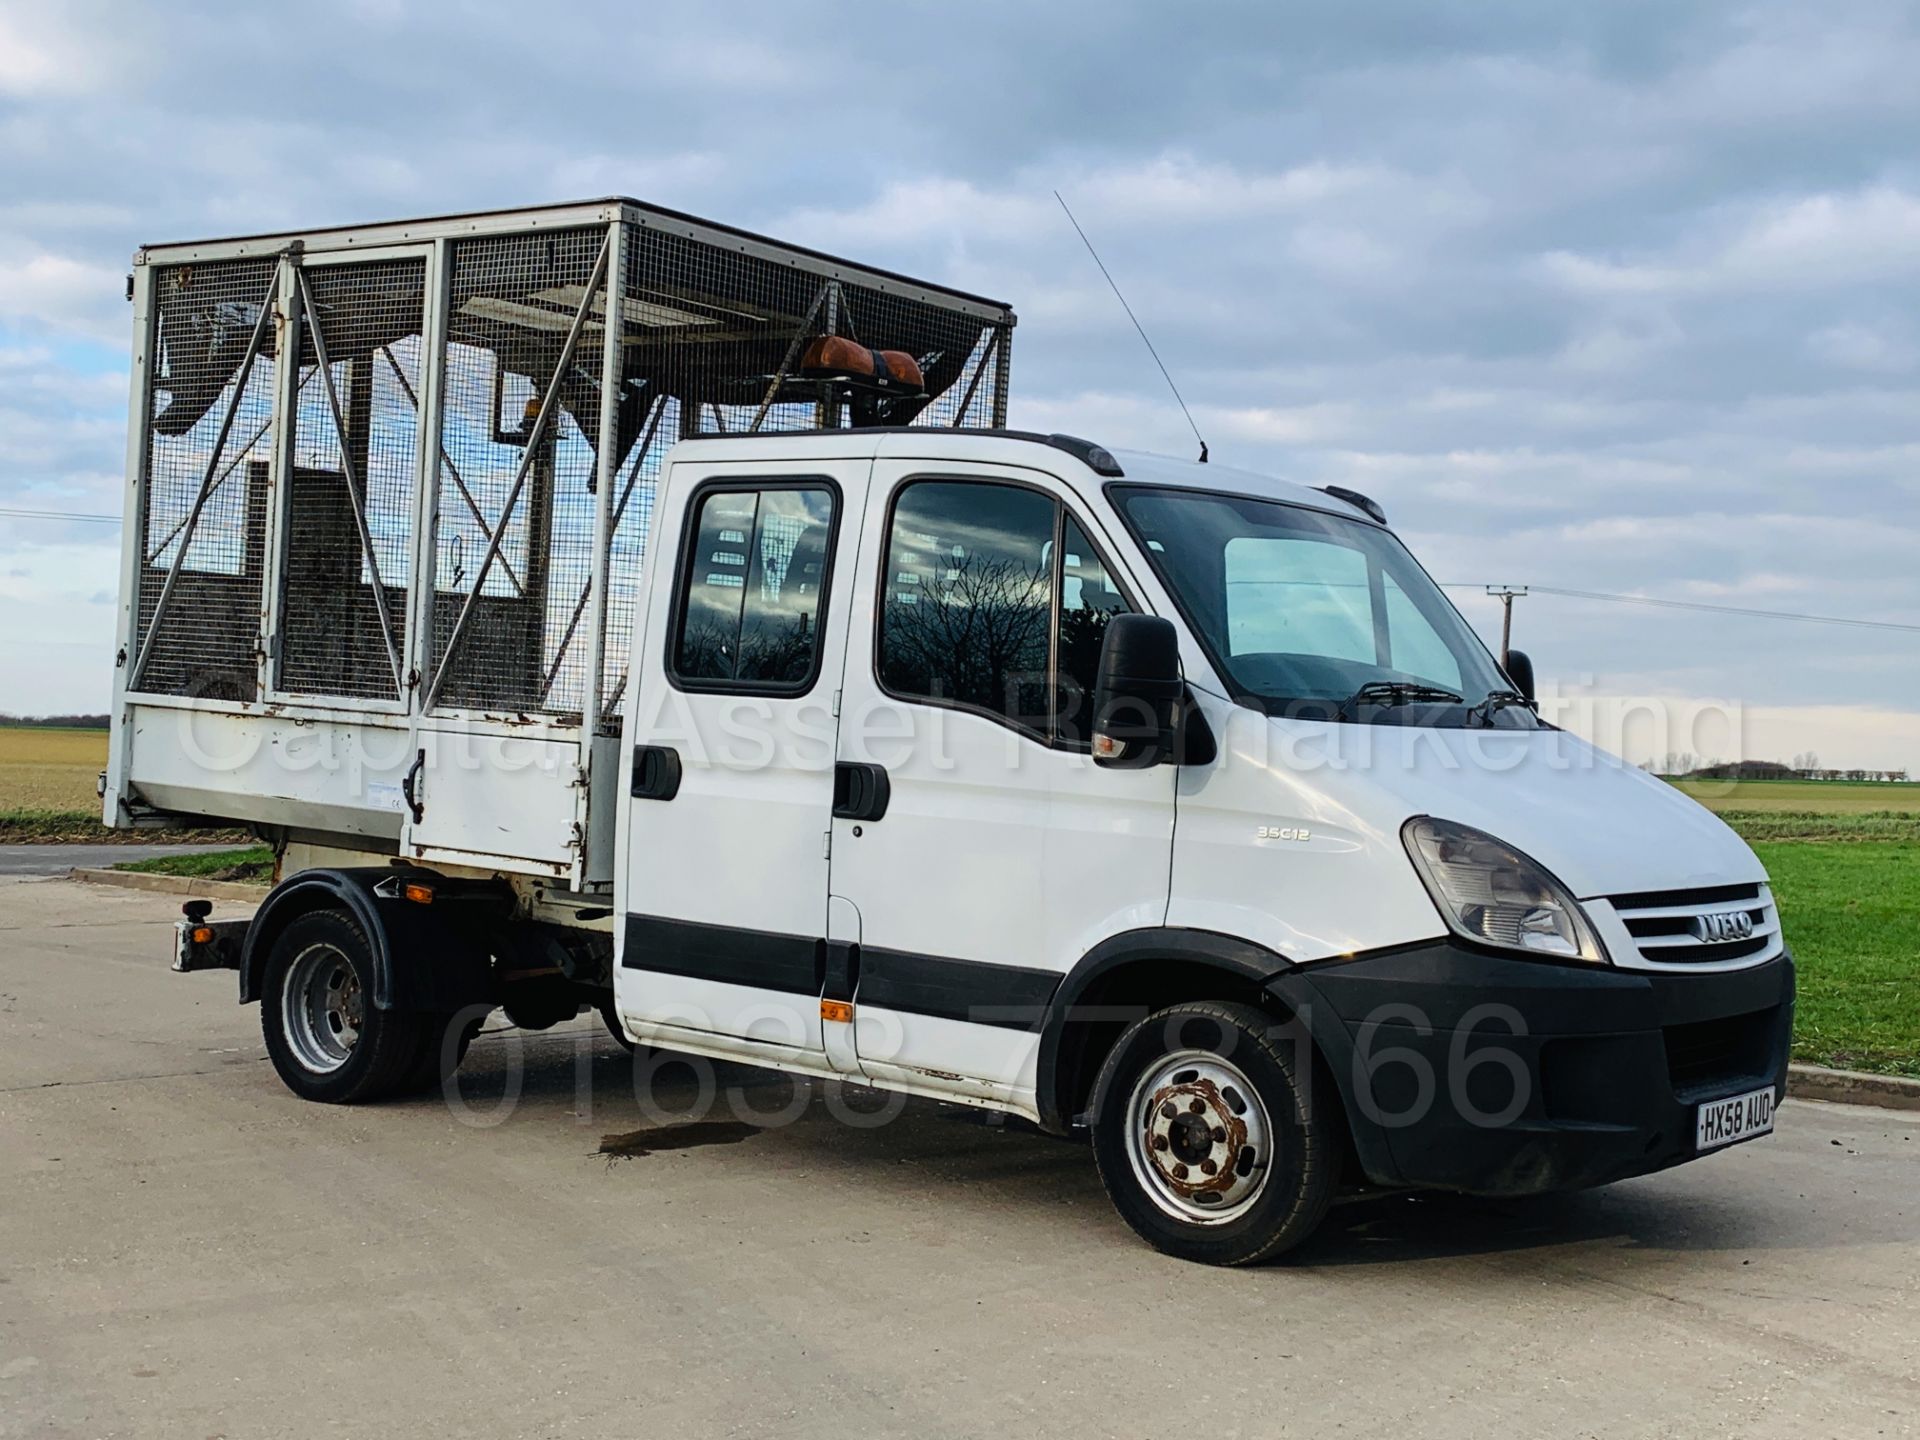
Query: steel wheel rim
{"x": 1199, "y": 1137}
{"x": 324, "y": 1008}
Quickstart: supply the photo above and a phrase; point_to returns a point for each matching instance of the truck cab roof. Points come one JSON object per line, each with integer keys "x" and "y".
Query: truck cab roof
{"x": 1091, "y": 464}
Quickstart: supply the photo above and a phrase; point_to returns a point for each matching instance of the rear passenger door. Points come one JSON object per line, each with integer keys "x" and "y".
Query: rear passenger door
{"x": 1002, "y": 854}
{"x": 731, "y": 730}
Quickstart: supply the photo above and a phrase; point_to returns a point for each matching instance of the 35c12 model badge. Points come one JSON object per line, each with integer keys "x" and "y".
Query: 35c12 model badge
{"x": 1282, "y": 832}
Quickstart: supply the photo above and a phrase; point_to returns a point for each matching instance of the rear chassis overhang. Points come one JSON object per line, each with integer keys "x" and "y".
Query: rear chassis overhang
{"x": 1468, "y": 1070}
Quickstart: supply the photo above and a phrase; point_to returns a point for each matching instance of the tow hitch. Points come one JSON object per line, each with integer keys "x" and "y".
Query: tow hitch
{"x": 203, "y": 944}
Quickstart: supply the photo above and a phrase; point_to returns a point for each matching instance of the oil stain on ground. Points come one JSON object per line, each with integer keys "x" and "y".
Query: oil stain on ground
{"x": 635, "y": 1143}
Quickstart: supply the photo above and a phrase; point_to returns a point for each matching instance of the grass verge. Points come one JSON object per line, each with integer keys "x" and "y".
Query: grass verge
{"x": 253, "y": 865}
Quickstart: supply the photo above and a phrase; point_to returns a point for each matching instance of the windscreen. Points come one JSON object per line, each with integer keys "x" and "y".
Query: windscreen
{"x": 1300, "y": 609}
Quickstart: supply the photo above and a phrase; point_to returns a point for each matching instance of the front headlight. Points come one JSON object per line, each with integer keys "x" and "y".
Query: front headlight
{"x": 1490, "y": 893}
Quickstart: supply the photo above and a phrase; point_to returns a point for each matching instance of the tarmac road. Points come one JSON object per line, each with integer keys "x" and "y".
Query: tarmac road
{"x": 185, "y": 1250}
{"x": 59, "y": 859}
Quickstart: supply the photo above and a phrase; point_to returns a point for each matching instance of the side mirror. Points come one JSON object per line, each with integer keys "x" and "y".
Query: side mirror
{"x": 1520, "y": 671}
{"x": 1136, "y": 699}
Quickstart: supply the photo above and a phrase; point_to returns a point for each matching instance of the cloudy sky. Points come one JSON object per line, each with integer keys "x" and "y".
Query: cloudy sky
{"x": 1614, "y": 298}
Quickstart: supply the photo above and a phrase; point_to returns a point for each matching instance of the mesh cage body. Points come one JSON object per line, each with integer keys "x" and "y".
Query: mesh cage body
{"x": 324, "y": 514}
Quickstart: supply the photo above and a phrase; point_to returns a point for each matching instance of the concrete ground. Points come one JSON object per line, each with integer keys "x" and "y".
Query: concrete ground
{"x": 59, "y": 859}
{"x": 185, "y": 1250}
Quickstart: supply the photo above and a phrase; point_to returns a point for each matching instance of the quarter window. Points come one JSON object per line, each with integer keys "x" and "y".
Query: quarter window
{"x": 752, "y": 583}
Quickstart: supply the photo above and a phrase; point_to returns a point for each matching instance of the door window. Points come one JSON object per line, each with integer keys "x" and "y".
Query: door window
{"x": 994, "y": 600}
{"x": 752, "y": 588}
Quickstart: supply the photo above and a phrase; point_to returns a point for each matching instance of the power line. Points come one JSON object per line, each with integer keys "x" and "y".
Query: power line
{"x": 20, "y": 514}
{"x": 1713, "y": 609}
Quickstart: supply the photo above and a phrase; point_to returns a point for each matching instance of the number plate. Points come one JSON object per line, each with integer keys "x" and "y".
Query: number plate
{"x": 1739, "y": 1117}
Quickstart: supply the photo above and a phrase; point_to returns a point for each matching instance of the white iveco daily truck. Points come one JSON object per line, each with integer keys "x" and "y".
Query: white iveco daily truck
{"x": 599, "y": 607}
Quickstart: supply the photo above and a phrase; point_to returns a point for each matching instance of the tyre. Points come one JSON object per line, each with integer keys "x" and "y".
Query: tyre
{"x": 610, "y": 1017}
{"x": 444, "y": 1042}
{"x": 326, "y": 1038}
{"x": 1210, "y": 1137}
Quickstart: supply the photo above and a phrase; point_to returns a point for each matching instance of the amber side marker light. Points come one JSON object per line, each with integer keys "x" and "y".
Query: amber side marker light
{"x": 841, "y": 1010}
{"x": 203, "y": 934}
{"x": 419, "y": 894}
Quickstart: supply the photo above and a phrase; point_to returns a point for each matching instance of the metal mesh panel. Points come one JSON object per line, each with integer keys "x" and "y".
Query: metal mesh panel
{"x": 351, "y": 481}
{"x": 513, "y": 301}
{"x": 206, "y": 642}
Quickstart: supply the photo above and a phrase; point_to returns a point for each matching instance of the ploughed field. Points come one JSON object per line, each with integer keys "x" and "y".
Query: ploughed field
{"x": 1844, "y": 858}
{"x": 51, "y": 771}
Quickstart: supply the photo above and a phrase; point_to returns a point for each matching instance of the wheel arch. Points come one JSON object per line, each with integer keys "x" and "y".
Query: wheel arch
{"x": 1124, "y": 978}
{"x": 441, "y": 932}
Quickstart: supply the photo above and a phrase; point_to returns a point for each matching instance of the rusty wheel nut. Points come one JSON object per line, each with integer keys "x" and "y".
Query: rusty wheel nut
{"x": 1179, "y": 1172}
{"x": 1167, "y": 1112}
{"x": 1219, "y": 1136}
{"x": 1198, "y": 1107}
{"x": 1207, "y": 1167}
{"x": 1159, "y": 1142}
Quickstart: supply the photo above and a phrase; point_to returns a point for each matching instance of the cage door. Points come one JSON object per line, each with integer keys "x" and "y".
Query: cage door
{"x": 349, "y": 477}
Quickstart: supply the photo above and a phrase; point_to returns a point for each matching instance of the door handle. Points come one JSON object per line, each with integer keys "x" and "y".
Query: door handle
{"x": 656, "y": 772}
{"x": 414, "y": 802}
{"x": 860, "y": 791}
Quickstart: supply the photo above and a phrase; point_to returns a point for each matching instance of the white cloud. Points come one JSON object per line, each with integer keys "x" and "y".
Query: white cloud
{"x": 1860, "y": 347}
{"x": 1806, "y": 242}
{"x": 59, "y": 293}
{"x": 38, "y": 56}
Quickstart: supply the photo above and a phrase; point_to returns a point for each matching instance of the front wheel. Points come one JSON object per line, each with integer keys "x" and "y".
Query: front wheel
{"x": 326, "y": 1038}
{"x": 1210, "y": 1140}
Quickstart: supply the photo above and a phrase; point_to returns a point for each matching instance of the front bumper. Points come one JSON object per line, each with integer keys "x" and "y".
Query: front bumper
{"x": 1464, "y": 1070}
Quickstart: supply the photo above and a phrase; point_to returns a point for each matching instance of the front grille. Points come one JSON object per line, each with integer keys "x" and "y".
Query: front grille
{"x": 1707, "y": 1053}
{"x": 1679, "y": 928}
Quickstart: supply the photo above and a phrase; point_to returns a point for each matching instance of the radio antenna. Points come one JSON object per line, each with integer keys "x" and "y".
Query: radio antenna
{"x": 1136, "y": 324}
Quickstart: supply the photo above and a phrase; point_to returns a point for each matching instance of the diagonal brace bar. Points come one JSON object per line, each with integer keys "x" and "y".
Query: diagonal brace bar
{"x": 990, "y": 354}
{"x": 479, "y": 518}
{"x": 221, "y": 478}
{"x": 354, "y": 491}
{"x": 619, "y": 513}
{"x": 793, "y": 353}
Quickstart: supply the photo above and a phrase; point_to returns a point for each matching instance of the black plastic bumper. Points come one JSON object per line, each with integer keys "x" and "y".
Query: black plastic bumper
{"x": 1468, "y": 1071}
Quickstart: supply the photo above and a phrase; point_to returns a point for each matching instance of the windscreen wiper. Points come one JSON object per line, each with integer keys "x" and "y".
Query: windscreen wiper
{"x": 1496, "y": 701}
{"x": 1394, "y": 692}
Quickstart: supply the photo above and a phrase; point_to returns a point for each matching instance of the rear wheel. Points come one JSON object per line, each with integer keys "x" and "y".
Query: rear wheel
{"x": 444, "y": 1042}
{"x": 325, "y": 1036}
{"x": 1209, "y": 1137}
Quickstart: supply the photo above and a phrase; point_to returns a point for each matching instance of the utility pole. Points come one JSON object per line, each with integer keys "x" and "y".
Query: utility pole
{"x": 1506, "y": 594}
